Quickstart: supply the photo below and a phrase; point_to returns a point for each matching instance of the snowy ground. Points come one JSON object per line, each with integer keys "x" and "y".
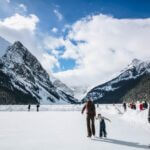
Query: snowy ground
{"x": 66, "y": 130}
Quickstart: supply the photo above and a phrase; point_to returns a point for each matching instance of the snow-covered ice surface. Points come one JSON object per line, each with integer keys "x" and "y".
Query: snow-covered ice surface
{"x": 63, "y": 128}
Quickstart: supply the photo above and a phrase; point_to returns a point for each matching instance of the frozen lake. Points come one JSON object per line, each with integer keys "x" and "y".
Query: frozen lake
{"x": 65, "y": 129}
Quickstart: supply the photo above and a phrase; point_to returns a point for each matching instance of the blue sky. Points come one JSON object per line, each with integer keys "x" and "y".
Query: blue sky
{"x": 58, "y": 29}
{"x": 73, "y": 10}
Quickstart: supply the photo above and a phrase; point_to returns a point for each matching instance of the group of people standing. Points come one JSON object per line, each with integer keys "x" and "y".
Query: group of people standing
{"x": 37, "y": 107}
{"x": 90, "y": 109}
{"x": 135, "y": 105}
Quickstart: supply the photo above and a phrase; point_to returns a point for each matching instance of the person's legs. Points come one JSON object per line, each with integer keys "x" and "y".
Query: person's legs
{"x": 88, "y": 126}
{"x": 100, "y": 132}
{"x": 104, "y": 131}
{"x": 93, "y": 125}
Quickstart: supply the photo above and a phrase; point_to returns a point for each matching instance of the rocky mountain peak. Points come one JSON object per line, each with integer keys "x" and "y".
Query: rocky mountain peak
{"x": 136, "y": 62}
{"x": 22, "y": 62}
{"x": 27, "y": 78}
{"x": 136, "y": 68}
{"x": 15, "y": 52}
{"x": 18, "y": 44}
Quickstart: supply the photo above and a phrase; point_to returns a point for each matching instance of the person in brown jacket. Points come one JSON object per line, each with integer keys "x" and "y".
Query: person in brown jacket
{"x": 90, "y": 118}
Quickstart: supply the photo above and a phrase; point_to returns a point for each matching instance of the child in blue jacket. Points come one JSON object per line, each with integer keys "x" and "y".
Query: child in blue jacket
{"x": 102, "y": 119}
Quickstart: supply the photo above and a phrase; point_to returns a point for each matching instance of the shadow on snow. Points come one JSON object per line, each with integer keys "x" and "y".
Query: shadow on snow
{"x": 119, "y": 142}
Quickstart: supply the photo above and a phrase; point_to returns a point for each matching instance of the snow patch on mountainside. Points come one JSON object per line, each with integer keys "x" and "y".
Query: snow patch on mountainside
{"x": 80, "y": 91}
{"x": 61, "y": 86}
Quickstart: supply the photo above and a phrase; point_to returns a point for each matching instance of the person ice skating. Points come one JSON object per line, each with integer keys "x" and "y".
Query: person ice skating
{"x": 90, "y": 117}
{"x": 124, "y": 106}
{"x": 37, "y": 106}
{"x": 29, "y": 107}
{"x": 102, "y": 119}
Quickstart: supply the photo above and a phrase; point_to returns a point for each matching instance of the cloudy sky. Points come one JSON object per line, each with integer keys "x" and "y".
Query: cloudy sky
{"x": 82, "y": 42}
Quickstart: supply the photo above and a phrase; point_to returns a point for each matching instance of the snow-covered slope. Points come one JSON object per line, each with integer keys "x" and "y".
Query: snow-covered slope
{"x": 112, "y": 91}
{"x": 80, "y": 91}
{"x": 76, "y": 91}
{"x": 25, "y": 76}
{"x": 61, "y": 86}
{"x": 3, "y": 46}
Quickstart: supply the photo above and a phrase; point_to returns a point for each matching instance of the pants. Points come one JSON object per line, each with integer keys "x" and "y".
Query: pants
{"x": 90, "y": 125}
{"x": 103, "y": 131}
{"x": 125, "y": 108}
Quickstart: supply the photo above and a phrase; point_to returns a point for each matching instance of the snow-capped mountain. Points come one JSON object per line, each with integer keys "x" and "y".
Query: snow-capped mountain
{"x": 62, "y": 87}
{"x": 115, "y": 90}
{"x": 80, "y": 91}
{"x": 76, "y": 91}
{"x": 23, "y": 79}
{"x": 3, "y": 46}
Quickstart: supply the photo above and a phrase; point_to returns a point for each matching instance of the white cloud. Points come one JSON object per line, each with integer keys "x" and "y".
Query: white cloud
{"x": 54, "y": 30}
{"x": 23, "y": 7}
{"x": 49, "y": 62}
{"x": 52, "y": 42}
{"x": 19, "y": 22}
{"x": 21, "y": 28}
{"x": 58, "y": 14}
{"x": 8, "y": 1}
{"x": 110, "y": 44}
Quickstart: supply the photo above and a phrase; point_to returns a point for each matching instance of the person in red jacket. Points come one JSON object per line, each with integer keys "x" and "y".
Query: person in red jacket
{"x": 141, "y": 106}
{"x": 90, "y": 117}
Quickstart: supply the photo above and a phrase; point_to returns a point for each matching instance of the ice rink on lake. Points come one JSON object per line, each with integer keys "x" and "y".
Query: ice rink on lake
{"x": 63, "y": 128}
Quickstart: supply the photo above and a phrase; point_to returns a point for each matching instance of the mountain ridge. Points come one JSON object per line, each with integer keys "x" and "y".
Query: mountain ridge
{"x": 114, "y": 91}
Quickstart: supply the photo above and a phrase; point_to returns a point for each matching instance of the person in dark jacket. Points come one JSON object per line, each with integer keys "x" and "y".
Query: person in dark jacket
{"x": 102, "y": 125}
{"x": 90, "y": 117}
{"x": 37, "y": 106}
{"x": 124, "y": 106}
{"x": 29, "y": 107}
{"x": 149, "y": 114}
{"x": 145, "y": 105}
